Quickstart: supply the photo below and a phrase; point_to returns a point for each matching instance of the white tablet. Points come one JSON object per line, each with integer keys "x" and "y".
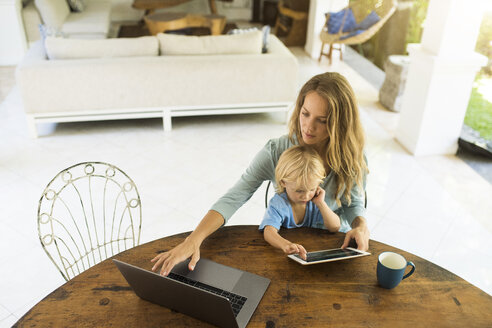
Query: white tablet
{"x": 329, "y": 255}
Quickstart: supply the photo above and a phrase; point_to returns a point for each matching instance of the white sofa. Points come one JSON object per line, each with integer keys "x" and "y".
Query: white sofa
{"x": 92, "y": 23}
{"x": 136, "y": 82}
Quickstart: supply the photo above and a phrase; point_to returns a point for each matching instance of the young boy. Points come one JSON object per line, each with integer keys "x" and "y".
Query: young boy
{"x": 300, "y": 201}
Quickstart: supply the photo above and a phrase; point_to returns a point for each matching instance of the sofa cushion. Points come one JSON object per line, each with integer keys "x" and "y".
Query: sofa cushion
{"x": 59, "y": 48}
{"x": 95, "y": 19}
{"x": 53, "y": 12}
{"x": 32, "y": 20}
{"x": 246, "y": 43}
{"x": 76, "y": 5}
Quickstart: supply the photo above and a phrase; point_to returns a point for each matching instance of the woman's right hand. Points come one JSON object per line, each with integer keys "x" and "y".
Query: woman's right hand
{"x": 190, "y": 247}
{"x": 167, "y": 260}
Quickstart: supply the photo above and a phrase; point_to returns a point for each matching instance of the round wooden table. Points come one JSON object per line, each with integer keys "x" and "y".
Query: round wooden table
{"x": 336, "y": 294}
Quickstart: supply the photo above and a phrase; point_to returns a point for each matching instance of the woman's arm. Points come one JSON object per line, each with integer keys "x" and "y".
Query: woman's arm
{"x": 273, "y": 238}
{"x": 190, "y": 246}
{"x": 261, "y": 168}
{"x": 355, "y": 215}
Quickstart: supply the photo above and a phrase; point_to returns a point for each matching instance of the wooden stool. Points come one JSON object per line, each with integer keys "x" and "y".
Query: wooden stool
{"x": 161, "y": 22}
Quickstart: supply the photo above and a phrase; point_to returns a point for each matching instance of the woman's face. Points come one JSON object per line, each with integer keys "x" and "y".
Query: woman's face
{"x": 313, "y": 118}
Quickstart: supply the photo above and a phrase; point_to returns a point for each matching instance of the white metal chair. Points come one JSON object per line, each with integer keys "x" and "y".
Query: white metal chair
{"x": 87, "y": 213}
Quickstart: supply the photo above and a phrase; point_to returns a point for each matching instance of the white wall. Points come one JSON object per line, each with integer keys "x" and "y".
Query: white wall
{"x": 12, "y": 41}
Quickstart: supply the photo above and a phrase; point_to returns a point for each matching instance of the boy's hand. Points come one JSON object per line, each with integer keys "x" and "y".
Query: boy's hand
{"x": 295, "y": 249}
{"x": 319, "y": 196}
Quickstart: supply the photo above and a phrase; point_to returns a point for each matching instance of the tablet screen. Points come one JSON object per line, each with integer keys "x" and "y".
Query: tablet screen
{"x": 328, "y": 255}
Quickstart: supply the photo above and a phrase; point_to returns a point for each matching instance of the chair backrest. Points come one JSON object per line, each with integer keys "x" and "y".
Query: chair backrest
{"x": 87, "y": 213}
{"x": 362, "y": 8}
{"x": 267, "y": 194}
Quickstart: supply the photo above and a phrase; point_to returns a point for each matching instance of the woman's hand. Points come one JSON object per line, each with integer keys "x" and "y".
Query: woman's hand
{"x": 359, "y": 232}
{"x": 176, "y": 255}
{"x": 190, "y": 247}
{"x": 319, "y": 196}
{"x": 295, "y": 249}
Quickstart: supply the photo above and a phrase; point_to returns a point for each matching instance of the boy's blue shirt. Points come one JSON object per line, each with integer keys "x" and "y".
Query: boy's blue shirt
{"x": 279, "y": 214}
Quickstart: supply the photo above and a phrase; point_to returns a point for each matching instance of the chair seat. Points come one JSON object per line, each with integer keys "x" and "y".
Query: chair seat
{"x": 332, "y": 38}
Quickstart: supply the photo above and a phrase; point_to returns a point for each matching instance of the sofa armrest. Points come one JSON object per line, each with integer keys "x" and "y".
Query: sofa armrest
{"x": 275, "y": 46}
{"x": 93, "y": 22}
{"x": 31, "y": 20}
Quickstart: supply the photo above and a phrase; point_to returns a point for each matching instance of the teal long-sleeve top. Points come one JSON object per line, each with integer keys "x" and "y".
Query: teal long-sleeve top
{"x": 262, "y": 168}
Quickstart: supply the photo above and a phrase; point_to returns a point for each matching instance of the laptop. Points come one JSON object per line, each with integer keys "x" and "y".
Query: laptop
{"x": 215, "y": 293}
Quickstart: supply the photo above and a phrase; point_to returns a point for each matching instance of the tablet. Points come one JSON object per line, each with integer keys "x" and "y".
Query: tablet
{"x": 329, "y": 255}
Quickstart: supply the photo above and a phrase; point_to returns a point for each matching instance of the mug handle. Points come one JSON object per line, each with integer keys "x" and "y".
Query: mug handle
{"x": 411, "y": 271}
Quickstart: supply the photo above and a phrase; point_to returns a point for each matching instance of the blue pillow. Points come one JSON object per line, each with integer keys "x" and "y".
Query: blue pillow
{"x": 369, "y": 21}
{"x": 336, "y": 19}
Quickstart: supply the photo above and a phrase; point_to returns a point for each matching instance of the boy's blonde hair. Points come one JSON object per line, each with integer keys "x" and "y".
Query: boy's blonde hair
{"x": 344, "y": 149}
{"x": 299, "y": 164}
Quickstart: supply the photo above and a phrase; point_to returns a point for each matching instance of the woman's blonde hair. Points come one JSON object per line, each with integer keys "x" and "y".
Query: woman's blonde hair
{"x": 344, "y": 147}
{"x": 301, "y": 165}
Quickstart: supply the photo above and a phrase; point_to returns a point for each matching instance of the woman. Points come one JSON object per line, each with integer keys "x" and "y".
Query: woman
{"x": 326, "y": 118}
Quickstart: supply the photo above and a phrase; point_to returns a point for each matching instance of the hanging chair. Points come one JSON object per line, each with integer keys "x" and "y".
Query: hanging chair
{"x": 361, "y": 9}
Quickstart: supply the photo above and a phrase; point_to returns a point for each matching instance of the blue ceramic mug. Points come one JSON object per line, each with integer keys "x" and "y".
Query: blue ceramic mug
{"x": 391, "y": 267}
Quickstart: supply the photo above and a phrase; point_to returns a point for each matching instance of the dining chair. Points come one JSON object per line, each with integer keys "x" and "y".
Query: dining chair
{"x": 267, "y": 196}
{"x": 88, "y": 212}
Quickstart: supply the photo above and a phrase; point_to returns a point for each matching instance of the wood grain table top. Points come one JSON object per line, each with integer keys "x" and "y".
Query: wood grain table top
{"x": 336, "y": 294}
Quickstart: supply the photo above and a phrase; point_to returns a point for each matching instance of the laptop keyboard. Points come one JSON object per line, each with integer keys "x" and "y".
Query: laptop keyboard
{"x": 237, "y": 301}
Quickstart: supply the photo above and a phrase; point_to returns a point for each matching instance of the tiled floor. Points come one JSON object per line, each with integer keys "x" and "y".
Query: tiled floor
{"x": 435, "y": 207}
{"x": 7, "y": 81}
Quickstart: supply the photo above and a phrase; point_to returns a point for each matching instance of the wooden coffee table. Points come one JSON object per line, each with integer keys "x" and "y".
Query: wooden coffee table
{"x": 161, "y": 22}
{"x": 336, "y": 294}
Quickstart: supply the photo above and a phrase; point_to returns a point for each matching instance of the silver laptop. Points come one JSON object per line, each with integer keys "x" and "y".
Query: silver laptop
{"x": 215, "y": 293}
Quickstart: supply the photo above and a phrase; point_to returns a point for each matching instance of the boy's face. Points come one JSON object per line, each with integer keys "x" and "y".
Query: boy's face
{"x": 300, "y": 195}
